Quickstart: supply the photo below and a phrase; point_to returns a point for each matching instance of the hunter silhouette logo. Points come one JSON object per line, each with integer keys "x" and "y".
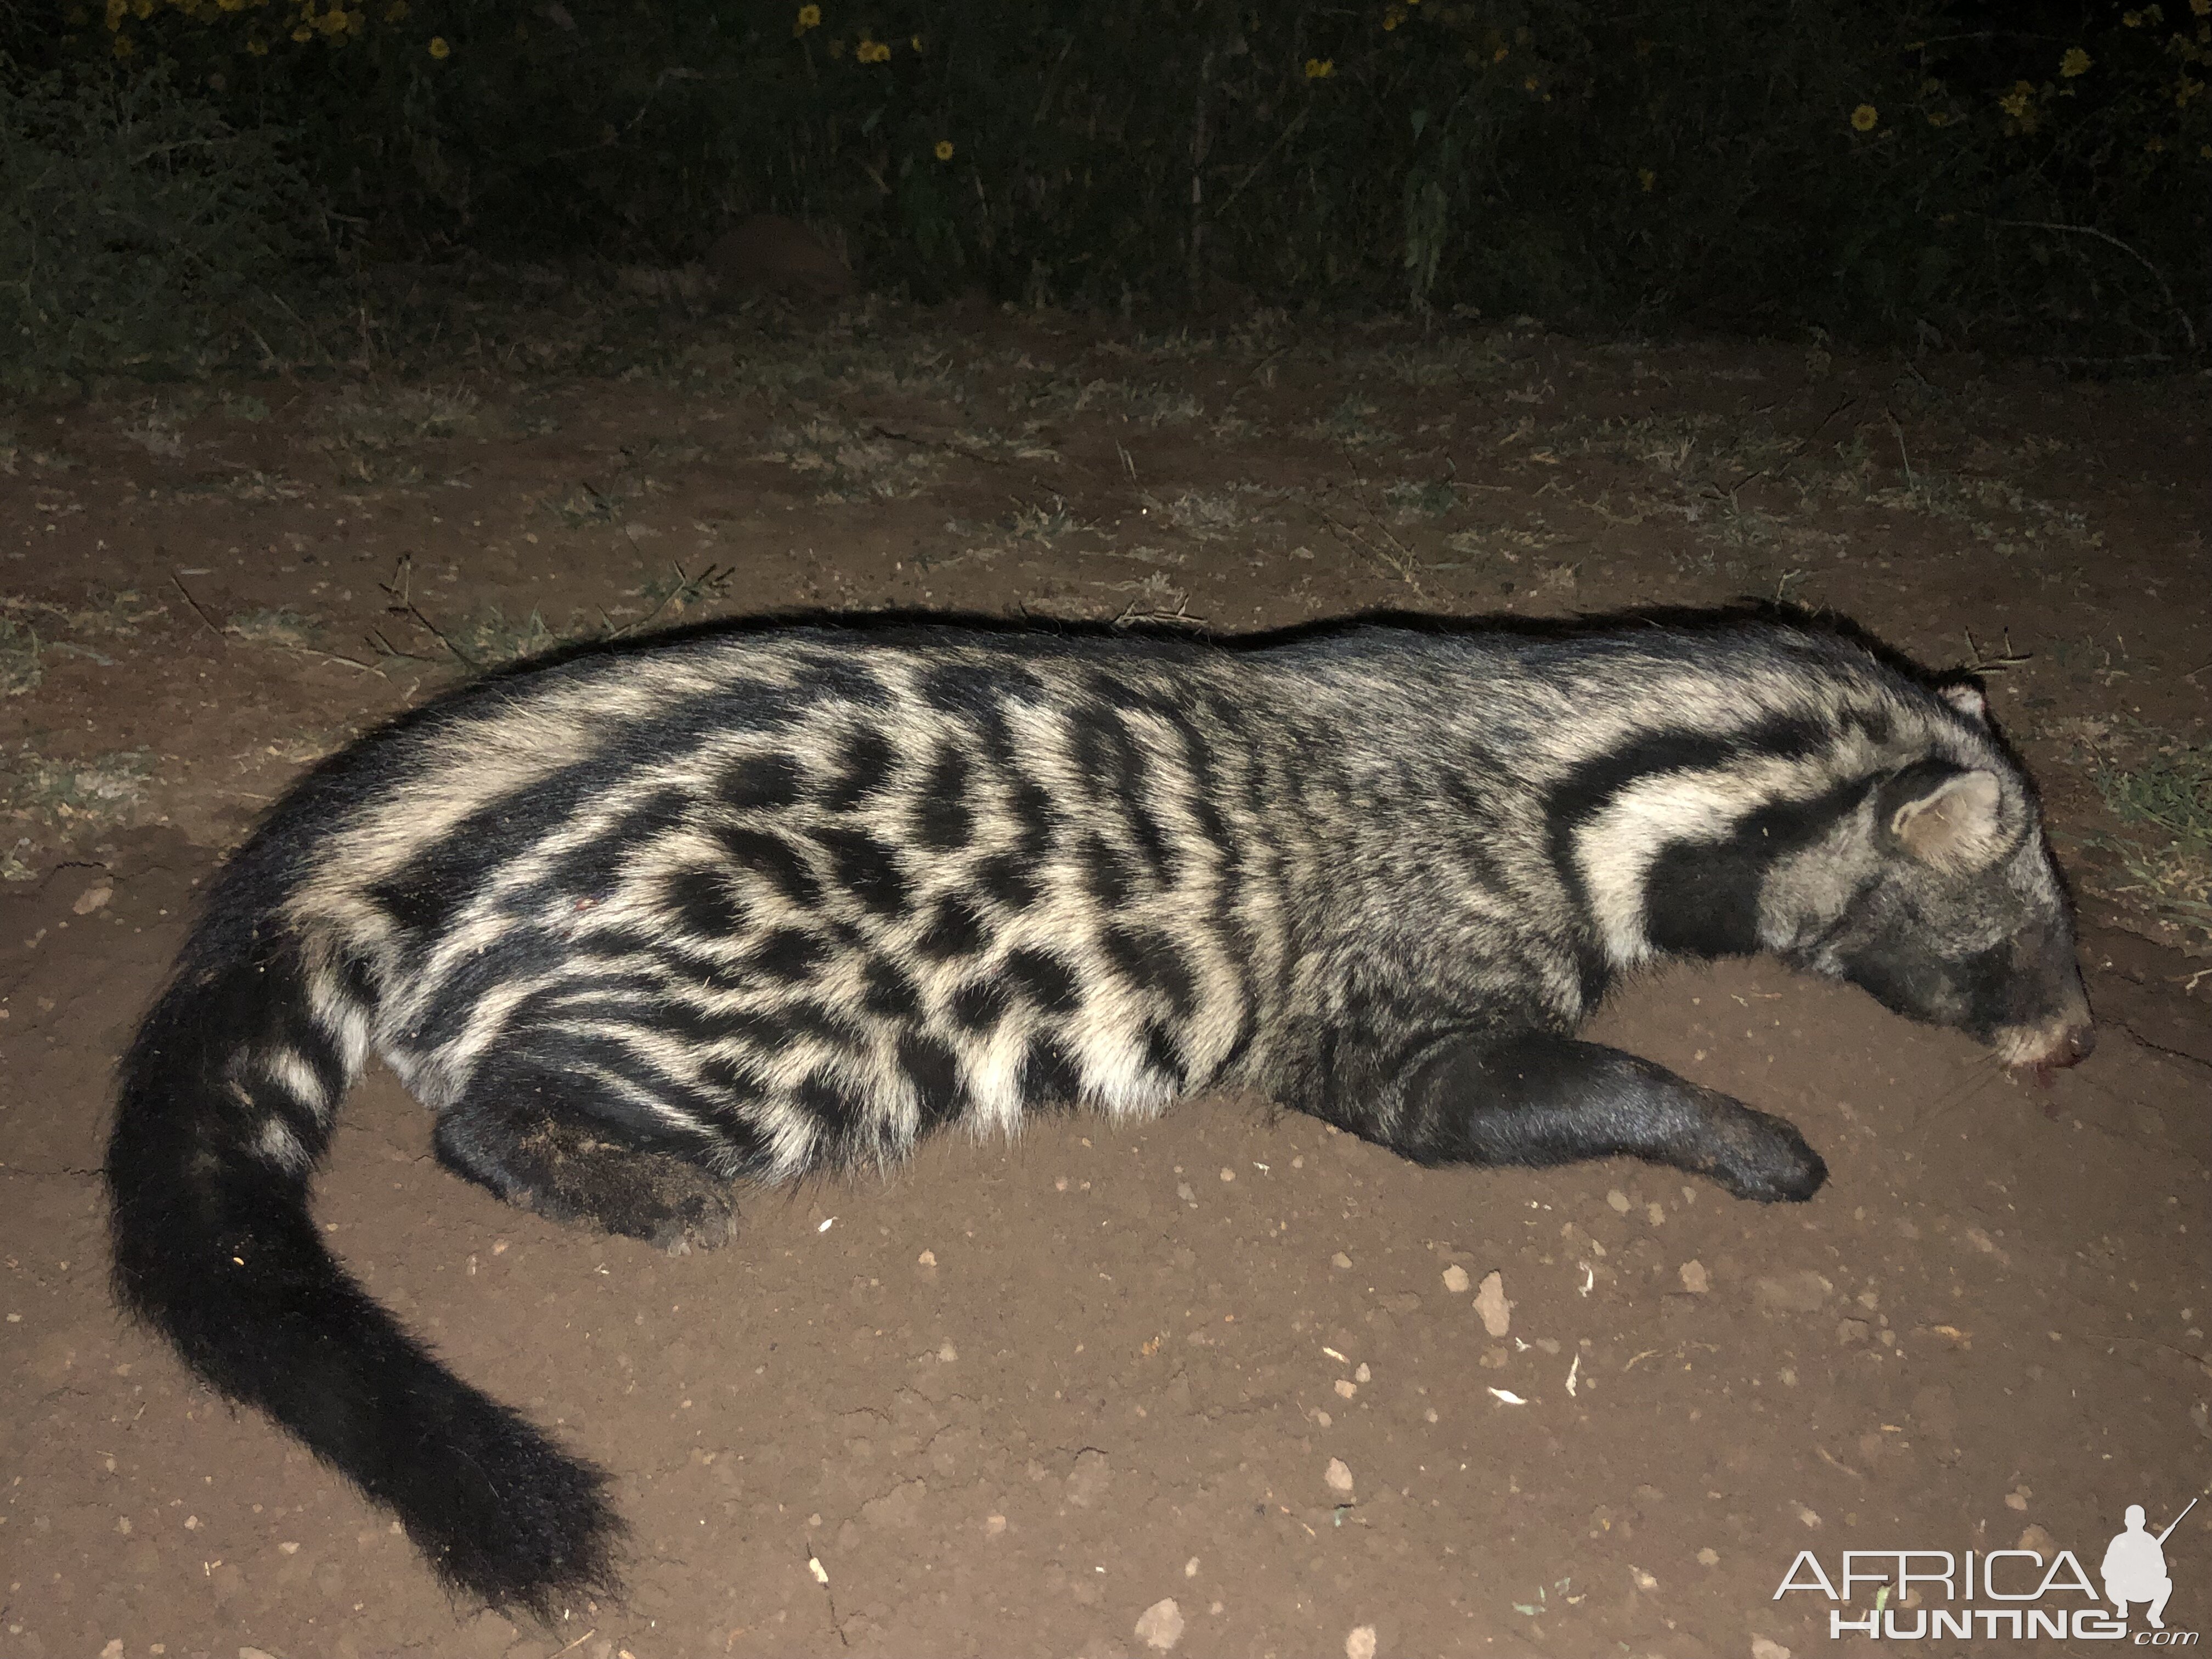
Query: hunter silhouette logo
{"x": 2135, "y": 1566}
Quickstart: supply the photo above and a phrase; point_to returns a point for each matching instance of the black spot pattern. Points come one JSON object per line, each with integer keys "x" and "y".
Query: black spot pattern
{"x": 775, "y": 859}
{"x": 866, "y": 868}
{"x": 956, "y": 928}
{"x": 943, "y": 819}
{"x": 760, "y": 783}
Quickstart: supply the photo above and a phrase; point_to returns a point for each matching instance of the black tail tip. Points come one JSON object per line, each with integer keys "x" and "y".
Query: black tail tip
{"x": 551, "y": 1540}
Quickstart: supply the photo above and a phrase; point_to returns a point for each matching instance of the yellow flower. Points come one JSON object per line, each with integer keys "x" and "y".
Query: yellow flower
{"x": 258, "y": 47}
{"x": 124, "y": 45}
{"x": 2154, "y": 143}
{"x": 2076, "y": 62}
{"x": 873, "y": 51}
{"x": 1864, "y": 117}
{"x": 1529, "y": 84}
{"x": 2015, "y": 103}
{"x": 232, "y": 5}
{"x": 809, "y": 17}
{"x": 836, "y": 48}
{"x": 914, "y": 40}
{"x": 1499, "y": 57}
{"x": 303, "y": 33}
{"x": 2202, "y": 7}
{"x": 332, "y": 23}
{"x": 117, "y": 10}
{"x": 944, "y": 149}
{"x": 1645, "y": 177}
{"x": 396, "y": 12}
{"x": 2132, "y": 19}
{"x": 438, "y": 46}
{"x": 1320, "y": 69}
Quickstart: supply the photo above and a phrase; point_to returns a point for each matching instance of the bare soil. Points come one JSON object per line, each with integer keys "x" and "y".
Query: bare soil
{"x": 1012, "y": 1398}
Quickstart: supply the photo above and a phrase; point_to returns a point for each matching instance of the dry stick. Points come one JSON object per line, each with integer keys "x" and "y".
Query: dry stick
{"x": 2187, "y": 327}
{"x": 199, "y": 609}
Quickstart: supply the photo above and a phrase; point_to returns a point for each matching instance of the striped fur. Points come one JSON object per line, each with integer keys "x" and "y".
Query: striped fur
{"x": 741, "y": 904}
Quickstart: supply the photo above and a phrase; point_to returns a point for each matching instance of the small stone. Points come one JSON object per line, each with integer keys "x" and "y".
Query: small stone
{"x": 1190, "y": 1568}
{"x": 1695, "y": 1280}
{"x": 113, "y": 1650}
{"x": 993, "y": 1525}
{"x": 1184, "y": 1193}
{"x": 1798, "y": 1292}
{"x": 289, "y": 1548}
{"x": 1087, "y": 1481}
{"x": 946, "y": 1352}
{"x": 1810, "y": 1517}
{"x": 1363, "y": 1375}
{"x": 94, "y": 897}
{"x": 1656, "y": 1214}
{"x": 1160, "y": 1625}
{"x": 1338, "y": 1476}
{"x": 2037, "y": 1541}
{"x": 1345, "y": 1388}
{"x": 1644, "y": 1581}
{"x": 1617, "y": 1201}
{"x": 1456, "y": 1278}
{"x": 1851, "y": 1330}
{"x": 1709, "y": 1556}
{"x": 1228, "y": 1175}
{"x": 1323, "y": 1418}
{"x": 2017, "y": 1497}
{"x": 926, "y": 1259}
{"x": 1489, "y": 1303}
{"x": 1360, "y": 1643}
{"x": 1761, "y": 1648}
{"x": 1339, "y": 1260}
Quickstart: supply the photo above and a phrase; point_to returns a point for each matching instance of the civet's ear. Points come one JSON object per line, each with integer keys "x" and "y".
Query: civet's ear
{"x": 1966, "y": 696}
{"x": 1943, "y": 814}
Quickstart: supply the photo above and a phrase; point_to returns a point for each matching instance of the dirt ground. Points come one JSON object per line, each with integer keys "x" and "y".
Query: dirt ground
{"x": 1015, "y": 1398}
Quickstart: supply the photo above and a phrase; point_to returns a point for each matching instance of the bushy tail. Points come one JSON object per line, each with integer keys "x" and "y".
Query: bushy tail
{"x": 228, "y": 1096}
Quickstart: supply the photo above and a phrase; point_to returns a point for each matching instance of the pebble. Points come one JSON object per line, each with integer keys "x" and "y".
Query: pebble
{"x": 1087, "y": 1481}
{"x": 1338, "y": 1476}
{"x": 2017, "y": 1497}
{"x": 1160, "y": 1625}
{"x": 1190, "y": 1568}
{"x": 1339, "y": 1260}
{"x": 1798, "y": 1292}
{"x": 1363, "y": 1375}
{"x": 1709, "y": 1556}
{"x": 1228, "y": 1175}
{"x": 1456, "y": 1278}
{"x": 1345, "y": 1388}
{"x": 1617, "y": 1201}
{"x": 1496, "y": 1313}
{"x": 1360, "y": 1643}
{"x": 1695, "y": 1280}
{"x": 1761, "y": 1648}
{"x": 926, "y": 1259}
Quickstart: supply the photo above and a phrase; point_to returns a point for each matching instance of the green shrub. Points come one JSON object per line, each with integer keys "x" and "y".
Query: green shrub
{"x": 138, "y": 231}
{"x": 1987, "y": 169}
